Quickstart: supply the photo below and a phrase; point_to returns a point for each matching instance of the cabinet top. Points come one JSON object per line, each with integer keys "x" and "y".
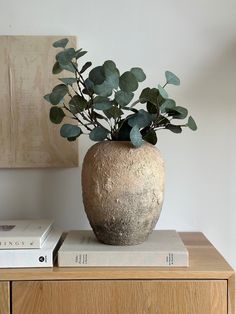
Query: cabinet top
{"x": 204, "y": 260}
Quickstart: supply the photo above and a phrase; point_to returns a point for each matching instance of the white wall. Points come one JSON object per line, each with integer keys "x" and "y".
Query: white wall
{"x": 196, "y": 40}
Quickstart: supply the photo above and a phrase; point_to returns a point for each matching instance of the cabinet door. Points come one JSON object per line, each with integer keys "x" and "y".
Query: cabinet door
{"x": 4, "y": 298}
{"x": 120, "y": 297}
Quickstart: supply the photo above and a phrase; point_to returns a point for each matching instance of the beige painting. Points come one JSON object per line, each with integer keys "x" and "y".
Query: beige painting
{"x": 27, "y": 138}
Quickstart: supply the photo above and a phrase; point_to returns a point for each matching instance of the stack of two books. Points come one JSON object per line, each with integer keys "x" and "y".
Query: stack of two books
{"x": 28, "y": 243}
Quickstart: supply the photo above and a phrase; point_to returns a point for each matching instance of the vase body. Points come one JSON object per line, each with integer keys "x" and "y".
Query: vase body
{"x": 123, "y": 189}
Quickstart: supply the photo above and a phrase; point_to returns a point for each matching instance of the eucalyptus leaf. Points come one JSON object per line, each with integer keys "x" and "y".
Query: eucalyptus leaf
{"x": 65, "y": 57}
{"x": 144, "y": 97}
{"x": 171, "y": 78}
{"x": 174, "y": 128}
{"x": 114, "y": 112}
{"x": 68, "y": 81}
{"x": 61, "y": 43}
{"x": 162, "y": 92}
{"x": 168, "y": 104}
{"x": 192, "y": 124}
{"x": 58, "y": 93}
{"x": 79, "y": 54}
{"x": 70, "y": 131}
{"x": 56, "y": 114}
{"x": 77, "y": 104}
{"x": 142, "y": 119}
{"x": 68, "y": 67}
{"x": 97, "y": 75}
{"x": 149, "y": 95}
{"x": 136, "y": 136}
{"x": 151, "y": 108}
{"x": 177, "y": 112}
{"x": 104, "y": 89}
{"x": 123, "y": 98}
{"x": 99, "y": 133}
{"x": 128, "y": 82}
{"x": 112, "y": 74}
{"x": 85, "y": 67}
{"x": 101, "y": 103}
{"x": 56, "y": 68}
{"x": 89, "y": 85}
{"x": 139, "y": 74}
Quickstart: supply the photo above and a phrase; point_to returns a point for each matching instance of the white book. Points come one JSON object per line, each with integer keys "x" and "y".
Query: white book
{"x": 23, "y": 234}
{"x": 24, "y": 258}
{"x": 163, "y": 248}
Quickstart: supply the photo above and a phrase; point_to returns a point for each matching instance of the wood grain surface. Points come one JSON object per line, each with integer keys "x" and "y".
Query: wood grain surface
{"x": 27, "y": 138}
{"x": 4, "y": 298}
{"x": 120, "y": 297}
{"x": 205, "y": 263}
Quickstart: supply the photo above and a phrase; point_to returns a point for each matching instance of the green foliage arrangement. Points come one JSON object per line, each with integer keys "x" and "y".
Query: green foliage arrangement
{"x": 102, "y": 105}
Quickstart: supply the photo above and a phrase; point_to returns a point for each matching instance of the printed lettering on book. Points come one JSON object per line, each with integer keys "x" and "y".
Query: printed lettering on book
{"x": 14, "y": 244}
{"x": 82, "y": 259}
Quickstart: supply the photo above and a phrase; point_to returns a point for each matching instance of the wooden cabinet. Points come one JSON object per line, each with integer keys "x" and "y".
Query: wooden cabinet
{"x": 206, "y": 287}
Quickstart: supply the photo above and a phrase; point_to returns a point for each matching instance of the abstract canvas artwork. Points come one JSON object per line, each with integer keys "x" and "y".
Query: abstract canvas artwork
{"x": 27, "y": 137}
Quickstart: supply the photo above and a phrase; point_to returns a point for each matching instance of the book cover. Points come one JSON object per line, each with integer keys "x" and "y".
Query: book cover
{"x": 24, "y": 258}
{"x": 23, "y": 234}
{"x": 163, "y": 248}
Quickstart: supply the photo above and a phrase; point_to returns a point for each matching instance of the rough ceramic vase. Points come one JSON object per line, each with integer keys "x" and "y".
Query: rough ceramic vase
{"x": 123, "y": 191}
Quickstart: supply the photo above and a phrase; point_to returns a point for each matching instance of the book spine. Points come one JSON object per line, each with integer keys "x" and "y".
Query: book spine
{"x": 93, "y": 259}
{"x": 23, "y": 243}
{"x": 24, "y": 258}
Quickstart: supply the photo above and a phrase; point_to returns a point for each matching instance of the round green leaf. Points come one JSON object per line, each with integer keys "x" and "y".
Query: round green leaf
{"x": 61, "y": 43}
{"x": 99, "y": 133}
{"x": 128, "y": 82}
{"x": 136, "y": 137}
{"x": 56, "y": 115}
{"x": 192, "y": 124}
{"x": 183, "y": 112}
{"x": 58, "y": 94}
{"x": 139, "y": 74}
{"x": 113, "y": 112}
{"x": 68, "y": 67}
{"x": 162, "y": 92}
{"x": 101, "y": 103}
{"x": 171, "y": 78}
{"x": 123, "y": 98}
{"x": 142, "y": 119}
{"x": 70, "y": 131}
{"x": 88, "y": 86}
{"x": 56, "y": 68}
{"x": 104, "y": 89}
{"x": 149, "y": 95}
{"x": 77, "y": 104}
{"x": 64, "y": 57}
{"x": 97, "y": 75}
{"x": 112, "y": 74}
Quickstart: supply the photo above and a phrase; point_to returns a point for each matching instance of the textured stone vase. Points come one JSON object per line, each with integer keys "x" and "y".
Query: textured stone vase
{"x": 123, "y": 191}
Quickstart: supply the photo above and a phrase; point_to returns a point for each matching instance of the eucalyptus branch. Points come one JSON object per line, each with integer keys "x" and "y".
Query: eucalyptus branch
{"x": 112, "y": 92}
